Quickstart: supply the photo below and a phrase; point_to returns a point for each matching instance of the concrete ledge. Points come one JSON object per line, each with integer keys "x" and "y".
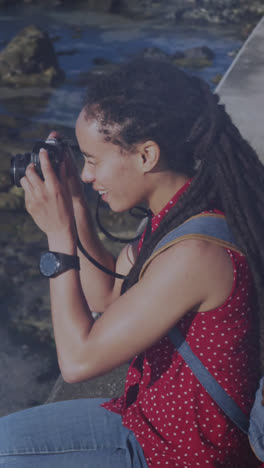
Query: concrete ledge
{"x": 107, "y": 386}
{"x": 242, "y": 89}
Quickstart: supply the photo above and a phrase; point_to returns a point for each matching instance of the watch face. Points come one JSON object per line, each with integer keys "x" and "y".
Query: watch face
{"x": 49, "y": 264}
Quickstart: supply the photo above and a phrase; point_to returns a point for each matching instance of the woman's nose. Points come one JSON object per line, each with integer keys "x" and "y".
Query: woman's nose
{"x": 88, "y": 174}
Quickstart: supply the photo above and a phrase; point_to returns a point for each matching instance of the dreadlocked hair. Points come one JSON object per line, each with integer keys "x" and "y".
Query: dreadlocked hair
{"x": 153, "y": 99}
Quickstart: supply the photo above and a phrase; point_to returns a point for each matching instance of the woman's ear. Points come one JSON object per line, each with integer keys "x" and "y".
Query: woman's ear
{"x": 148, "y": 155}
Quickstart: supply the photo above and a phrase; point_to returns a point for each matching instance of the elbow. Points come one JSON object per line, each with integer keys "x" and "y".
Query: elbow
{"x": 70, "y": 378}
{"x": 75, "y": 372}
{"x": 67, "y": 374}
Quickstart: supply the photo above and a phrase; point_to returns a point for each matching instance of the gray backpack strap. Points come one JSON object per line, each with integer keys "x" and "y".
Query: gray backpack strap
{"x": 206, "y": 226}
{"x": 219, "y": 395}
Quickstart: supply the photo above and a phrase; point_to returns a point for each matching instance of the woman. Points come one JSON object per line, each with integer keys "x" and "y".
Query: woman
{"x": 149, "y": 133}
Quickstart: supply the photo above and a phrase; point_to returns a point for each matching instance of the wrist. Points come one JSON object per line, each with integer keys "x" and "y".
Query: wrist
{"x": 63, "y": 242}
{"x": 79, "y": 203}
{"x": 82, "y": 214}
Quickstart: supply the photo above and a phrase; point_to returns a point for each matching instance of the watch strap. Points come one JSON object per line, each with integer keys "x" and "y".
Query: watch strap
{"x": 64, "y": 261}
{"x": 67, "y": 261}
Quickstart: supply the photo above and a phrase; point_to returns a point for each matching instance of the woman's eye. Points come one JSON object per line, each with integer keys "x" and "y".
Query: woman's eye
{"x": 90, "y": 162}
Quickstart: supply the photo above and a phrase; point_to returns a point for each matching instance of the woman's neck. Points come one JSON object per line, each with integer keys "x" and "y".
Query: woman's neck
{"x": 165, "y": 188}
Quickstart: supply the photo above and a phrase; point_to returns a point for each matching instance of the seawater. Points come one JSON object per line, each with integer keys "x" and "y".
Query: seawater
{"x": 90, "y": 35}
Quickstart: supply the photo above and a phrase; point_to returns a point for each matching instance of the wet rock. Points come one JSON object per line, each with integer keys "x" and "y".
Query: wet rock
{"x": 195, "y": 57}
{"x": 12, "y": 200}
{"x": 21, "y": 366}
{"x": 153, "y": 52}
{"x": 30, "y": 60}
{"x": 5, "y": 182}
{"x": 103, "y": 68}
{"x": 9, "y": 127}
{"x": 27, "y": 101}
{"x": 12, "y": 265}
{"x": 6, "y": 287}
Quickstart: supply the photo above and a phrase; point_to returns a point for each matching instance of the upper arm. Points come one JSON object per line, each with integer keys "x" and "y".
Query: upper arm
{"x": 173, "y": 284}
{"x": 124, "y": 263}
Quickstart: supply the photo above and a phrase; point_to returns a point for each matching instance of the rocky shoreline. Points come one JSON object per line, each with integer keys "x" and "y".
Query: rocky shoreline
{"x": 239, "y": 12}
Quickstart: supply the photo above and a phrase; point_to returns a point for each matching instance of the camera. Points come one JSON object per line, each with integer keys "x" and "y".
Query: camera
{"x": 19, "y": 162}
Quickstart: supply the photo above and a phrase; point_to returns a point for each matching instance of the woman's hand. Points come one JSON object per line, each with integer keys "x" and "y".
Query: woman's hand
{"x": 74, "y": 181}
{"x": 49, "y": 202}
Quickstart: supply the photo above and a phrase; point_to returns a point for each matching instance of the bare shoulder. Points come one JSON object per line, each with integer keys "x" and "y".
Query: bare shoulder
{"x": 186, "y": 254}
{"x": 201, "y": 265}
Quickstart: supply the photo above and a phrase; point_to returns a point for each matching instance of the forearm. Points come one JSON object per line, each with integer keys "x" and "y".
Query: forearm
{"x": 96, "y": 284}
{"x": 72, "y": 320}
{"x": 71, "y": 316}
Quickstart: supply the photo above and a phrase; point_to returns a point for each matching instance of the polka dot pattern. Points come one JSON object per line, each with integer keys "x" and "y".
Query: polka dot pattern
{"x": 172, "y": 416}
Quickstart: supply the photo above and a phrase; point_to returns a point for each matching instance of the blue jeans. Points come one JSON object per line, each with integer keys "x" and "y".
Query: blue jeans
{"x": 68, "y": 434}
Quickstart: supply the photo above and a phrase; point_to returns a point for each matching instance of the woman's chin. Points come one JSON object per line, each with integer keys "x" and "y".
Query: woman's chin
{"x": 118, "y": 207}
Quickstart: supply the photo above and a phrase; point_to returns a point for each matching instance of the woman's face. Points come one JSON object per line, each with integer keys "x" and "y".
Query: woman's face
{"x": 115, "y": 174}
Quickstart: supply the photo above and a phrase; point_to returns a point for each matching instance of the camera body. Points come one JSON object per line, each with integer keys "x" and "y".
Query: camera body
{"x": 19, "y": 162}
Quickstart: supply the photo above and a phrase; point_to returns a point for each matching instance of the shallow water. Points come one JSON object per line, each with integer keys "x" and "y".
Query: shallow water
{"x": 89, "y": 35}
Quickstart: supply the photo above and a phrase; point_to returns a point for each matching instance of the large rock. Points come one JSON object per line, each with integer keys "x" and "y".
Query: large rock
{"x": 30, "y": 60}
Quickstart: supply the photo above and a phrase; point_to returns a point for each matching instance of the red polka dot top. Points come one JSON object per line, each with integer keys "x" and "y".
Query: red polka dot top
{"x": 174, "y": 419}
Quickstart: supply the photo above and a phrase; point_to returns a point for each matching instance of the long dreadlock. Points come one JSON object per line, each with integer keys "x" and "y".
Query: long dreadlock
{"x": 152, "y": 99}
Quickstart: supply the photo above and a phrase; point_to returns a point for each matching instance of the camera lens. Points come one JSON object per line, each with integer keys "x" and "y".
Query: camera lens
{"x": 19, "y": 163}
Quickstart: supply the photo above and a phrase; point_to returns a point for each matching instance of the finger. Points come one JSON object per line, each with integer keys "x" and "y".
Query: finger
{"x": 55, "y": 135}
{"x": 30, "y": 198}
{"x": 47, "y": 169}
{"x": 32, "y": 177}
{"x": 26, "y": 185}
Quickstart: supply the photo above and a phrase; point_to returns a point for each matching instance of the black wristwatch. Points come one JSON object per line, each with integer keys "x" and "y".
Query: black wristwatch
{"x": 53, "y": 264}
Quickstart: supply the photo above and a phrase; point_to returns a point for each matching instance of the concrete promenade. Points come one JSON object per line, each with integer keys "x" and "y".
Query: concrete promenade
{"x": 242, "y": 91}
